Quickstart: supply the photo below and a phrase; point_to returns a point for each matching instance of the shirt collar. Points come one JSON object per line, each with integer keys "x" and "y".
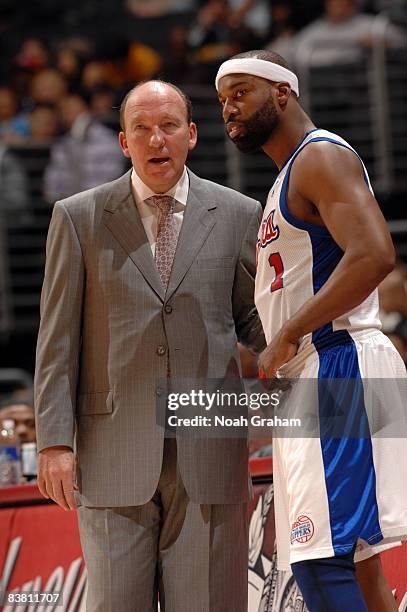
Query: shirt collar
{"x": 179, "y": 191}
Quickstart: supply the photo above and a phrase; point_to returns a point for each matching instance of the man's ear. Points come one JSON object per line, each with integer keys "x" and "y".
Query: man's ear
{"x": 123, "y": 144}
{"x": 283, "y": 93}
{"x": 193, "y": 136}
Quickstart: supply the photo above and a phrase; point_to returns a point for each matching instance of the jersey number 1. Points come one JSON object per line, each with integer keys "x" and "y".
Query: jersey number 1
{"x": 276, "y": 263}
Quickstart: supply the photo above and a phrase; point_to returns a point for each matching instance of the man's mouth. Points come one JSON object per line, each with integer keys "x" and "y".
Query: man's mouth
{"x": 159, "y": 161}
{"x": 234, "y": 129}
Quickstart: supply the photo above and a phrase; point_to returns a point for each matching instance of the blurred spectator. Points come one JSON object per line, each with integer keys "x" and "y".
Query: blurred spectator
{"x": 393, "y": 298}
{"x": 43, "y": 125}
{"x": 395, "y": 10}
{"x": 253, "y": 14}
{"x": 341, "y": 36}
{"x": 69, "y": 63}
{"x": 48, "y": 87}
{"x": 13, "y": 189}
{"x": 215, "y": 37}
{"x": 102, "y": 102}
{"x": 282, "y": 30}
{"x": 22, "y": 414}
{"x": 142, "y": 62}
{"x": 14, "y": 126}
{"x": 88, "y": 155}
{"x": 210, "y": 33}
{"x": 33, "y": 55}
{"x": 176, "y": 64}
{"x": 94, "y": 75}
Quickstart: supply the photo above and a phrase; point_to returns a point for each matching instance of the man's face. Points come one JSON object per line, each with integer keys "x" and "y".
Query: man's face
{"x": 249, "y": 112}
{"x": 340, "y": 10}
{"x": 8, "y": 104}
{"x": 23, "y": 416}
{"x": 157, "y": 136}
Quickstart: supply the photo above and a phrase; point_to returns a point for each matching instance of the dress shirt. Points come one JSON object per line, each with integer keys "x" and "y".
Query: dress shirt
{"x": 149, "y": 212}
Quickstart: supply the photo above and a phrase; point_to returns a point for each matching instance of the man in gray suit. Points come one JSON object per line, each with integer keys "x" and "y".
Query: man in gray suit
{"x": 148, "y": 278}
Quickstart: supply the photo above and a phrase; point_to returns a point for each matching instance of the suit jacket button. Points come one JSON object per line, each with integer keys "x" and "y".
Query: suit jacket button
{"x": 168, "y": 309}
{"x": 161, "y": 350}
{"x": 159, "y": 391}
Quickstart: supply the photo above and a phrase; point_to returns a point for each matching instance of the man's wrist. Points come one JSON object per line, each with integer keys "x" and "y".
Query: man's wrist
{"x": 291, "y": 332}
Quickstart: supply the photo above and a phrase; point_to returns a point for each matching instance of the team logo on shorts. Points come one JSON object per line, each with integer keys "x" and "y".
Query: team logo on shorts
{"x": 302, "y": 529}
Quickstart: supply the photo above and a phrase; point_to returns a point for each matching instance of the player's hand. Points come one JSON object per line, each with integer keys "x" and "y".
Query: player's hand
{"x": 56, "y": 475}
{"x": 280, "y": 350}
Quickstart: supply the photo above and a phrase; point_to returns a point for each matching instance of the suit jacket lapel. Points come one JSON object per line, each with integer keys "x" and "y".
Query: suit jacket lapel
{"x": 123, "y": 220}
{"x": 196, "y": 226}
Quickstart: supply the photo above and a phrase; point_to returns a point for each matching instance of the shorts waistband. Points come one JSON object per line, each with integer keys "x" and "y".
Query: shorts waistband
{"x": 309, "y": 350}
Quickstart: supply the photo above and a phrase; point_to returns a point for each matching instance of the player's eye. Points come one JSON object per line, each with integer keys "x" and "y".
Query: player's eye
{"x": 240, "y": 93}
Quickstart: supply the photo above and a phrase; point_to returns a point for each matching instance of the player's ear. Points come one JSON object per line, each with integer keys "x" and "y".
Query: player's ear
{"x": 283, "y": 93}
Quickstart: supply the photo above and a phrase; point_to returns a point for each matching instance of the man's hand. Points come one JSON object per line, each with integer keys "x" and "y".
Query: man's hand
{"x": 280, "y": 350}
{"x": 56, "y": 475}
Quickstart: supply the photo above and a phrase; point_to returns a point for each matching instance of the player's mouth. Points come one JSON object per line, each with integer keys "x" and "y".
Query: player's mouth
{"x": 159, "y": 161}
{"x": 234, "y": 129}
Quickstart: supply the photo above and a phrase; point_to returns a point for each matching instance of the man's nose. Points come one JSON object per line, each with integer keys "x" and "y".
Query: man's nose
{"x": 156, "y": 138}
{"x": 228, "y": 109}
{"x": 21, "y": 431}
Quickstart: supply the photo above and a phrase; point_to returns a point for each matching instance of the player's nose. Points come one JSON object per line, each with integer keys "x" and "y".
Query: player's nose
{"x": 228, "y": 109}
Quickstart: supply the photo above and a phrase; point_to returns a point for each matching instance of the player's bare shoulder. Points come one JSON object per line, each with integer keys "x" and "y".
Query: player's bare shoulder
{"x": 326, "y": 166}
{"x": 324, "y": 174}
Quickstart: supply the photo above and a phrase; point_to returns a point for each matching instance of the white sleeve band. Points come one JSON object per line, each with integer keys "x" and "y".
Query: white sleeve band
{"x": 258, "y": 67}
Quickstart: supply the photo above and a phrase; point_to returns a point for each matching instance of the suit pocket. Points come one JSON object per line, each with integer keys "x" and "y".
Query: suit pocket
{"x": 214, "y": 263}
{"x": 95, "y": 403}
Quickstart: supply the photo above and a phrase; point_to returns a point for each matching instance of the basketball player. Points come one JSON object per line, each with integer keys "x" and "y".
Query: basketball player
{"x": 323, "y": 248}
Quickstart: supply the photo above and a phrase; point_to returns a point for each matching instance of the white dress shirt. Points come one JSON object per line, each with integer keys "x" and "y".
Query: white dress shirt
{"x": 149, "y": 212}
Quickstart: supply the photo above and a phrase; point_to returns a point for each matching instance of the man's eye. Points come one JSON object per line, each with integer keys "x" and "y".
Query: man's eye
{"x": 139, "y": 126}
{"x": 240, "y": 93}
{"x": 170, "y": 124}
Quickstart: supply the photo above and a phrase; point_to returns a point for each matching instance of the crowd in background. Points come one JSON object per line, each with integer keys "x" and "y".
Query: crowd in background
{"x": 64, "y": 72}
{"x": 178, "y": 40}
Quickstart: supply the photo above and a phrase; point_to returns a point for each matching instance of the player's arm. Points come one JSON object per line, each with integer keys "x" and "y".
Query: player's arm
{"x": 331, "y": 178}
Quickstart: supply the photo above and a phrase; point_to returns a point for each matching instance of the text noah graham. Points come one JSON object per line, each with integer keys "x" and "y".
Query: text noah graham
{"x": 222, "y": 421}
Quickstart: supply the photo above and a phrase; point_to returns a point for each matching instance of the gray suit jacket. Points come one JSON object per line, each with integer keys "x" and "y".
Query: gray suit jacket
{"x": 105, "y": 317}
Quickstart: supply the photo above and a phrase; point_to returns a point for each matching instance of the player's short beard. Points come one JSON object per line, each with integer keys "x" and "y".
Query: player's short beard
{"x": 258, "y": 128}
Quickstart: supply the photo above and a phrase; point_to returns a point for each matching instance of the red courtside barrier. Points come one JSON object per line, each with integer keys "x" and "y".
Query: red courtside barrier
{"x": 40, "y": 551}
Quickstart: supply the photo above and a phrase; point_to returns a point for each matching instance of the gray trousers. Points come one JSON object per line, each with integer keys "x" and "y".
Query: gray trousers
{"x": 194, "y": 557}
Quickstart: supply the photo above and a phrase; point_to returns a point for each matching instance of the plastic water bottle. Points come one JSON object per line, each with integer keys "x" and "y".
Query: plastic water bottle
{"x": 29, "y": 460}
{"x": 10, "y": 464}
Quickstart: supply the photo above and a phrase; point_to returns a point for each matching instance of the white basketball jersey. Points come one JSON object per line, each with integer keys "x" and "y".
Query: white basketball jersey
{"x": 294, "y": 260}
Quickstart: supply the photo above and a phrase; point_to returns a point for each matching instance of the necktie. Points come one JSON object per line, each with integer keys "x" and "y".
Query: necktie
{"x": 167, "y": 236}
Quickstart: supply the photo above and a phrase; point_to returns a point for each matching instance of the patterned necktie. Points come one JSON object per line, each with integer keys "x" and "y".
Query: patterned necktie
{"x": 167, "y": 236}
